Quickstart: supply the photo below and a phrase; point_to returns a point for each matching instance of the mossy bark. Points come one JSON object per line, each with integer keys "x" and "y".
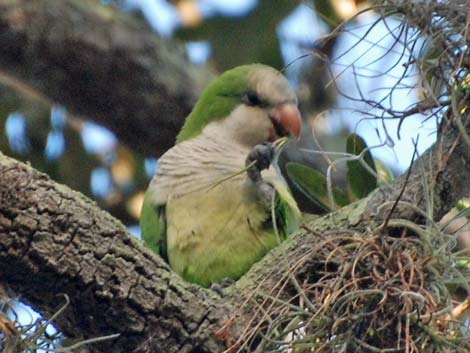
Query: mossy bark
{"x": 54, "y": 240}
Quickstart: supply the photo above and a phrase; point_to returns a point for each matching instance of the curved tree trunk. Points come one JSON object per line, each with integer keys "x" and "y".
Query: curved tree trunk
{"x": 54, "y": 240}
{"x": 73, "y": 51}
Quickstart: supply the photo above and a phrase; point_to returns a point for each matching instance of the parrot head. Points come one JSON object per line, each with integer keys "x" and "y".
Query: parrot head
{"x": 251, "y": 104}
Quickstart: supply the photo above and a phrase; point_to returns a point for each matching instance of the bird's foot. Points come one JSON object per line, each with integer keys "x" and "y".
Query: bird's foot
{"x": 219, "y": 287}
{"x": 266, "y": 193}
{"x": 259, "y": 158}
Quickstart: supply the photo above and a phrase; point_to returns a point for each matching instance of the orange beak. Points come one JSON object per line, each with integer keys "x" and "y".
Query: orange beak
{"x": 286, "y": 120}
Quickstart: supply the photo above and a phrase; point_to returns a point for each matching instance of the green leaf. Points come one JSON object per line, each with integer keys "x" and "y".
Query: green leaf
{"x": 313, "y": 185}
{"x": 385, "y": 174}
{"x": 360, "y": 181}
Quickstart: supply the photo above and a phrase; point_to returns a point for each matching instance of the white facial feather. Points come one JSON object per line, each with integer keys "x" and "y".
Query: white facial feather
{"x": 246, "y": 125}
{"x": 251, "y": 125}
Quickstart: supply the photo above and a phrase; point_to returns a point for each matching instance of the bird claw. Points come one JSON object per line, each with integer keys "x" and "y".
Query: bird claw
{"x": 265, "y": 193}
{"x": 219, "y": 287}
{"x": 260, "y": 158}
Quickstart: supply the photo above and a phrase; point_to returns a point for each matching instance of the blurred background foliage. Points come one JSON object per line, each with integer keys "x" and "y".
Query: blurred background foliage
{"x": 223, "y": 34}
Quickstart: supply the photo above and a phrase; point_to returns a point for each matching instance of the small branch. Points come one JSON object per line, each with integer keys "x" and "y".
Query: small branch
{"x": 446, "y": 168}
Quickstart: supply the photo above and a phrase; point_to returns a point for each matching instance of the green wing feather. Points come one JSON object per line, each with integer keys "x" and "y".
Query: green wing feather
{"x": 153, "y": 227}
{"x": 287, "y": 214}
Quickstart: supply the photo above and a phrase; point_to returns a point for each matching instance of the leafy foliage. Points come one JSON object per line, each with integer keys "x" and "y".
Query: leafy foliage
{"x": 313, "y": 184}
{"x": 361, "y": 177}
{"x": 360, "y": 180}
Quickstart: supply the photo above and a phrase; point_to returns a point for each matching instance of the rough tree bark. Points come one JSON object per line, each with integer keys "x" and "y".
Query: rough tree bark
{"x": 53, "y": 240}
{"x": 101, "y": 65}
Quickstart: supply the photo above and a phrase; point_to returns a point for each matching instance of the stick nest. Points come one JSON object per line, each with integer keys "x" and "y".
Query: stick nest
{"x": 393, "y": 290}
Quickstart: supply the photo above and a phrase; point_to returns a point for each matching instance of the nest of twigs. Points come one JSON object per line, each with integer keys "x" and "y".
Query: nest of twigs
{"x": 400, "y": 287}
{"x": 391, "y": 290}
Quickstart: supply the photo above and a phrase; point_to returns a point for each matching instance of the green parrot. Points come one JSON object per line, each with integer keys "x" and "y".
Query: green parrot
{"x": 217, "y": 204}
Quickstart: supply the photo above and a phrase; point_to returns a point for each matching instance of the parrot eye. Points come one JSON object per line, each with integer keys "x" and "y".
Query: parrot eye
{"x": 251, "y": 99}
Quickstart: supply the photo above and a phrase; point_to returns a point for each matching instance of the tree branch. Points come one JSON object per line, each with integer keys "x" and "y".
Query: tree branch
{"x": 54, "y": 240}
{"x": 102, "y": 65}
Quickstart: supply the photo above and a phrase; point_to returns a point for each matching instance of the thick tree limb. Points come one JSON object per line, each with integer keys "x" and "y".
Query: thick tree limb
{"x": 101, "y": 65}
{"x": 53, "y": 240}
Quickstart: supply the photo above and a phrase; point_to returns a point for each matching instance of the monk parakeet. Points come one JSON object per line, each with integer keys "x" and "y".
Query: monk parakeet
{"x": 208, "y": 209}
